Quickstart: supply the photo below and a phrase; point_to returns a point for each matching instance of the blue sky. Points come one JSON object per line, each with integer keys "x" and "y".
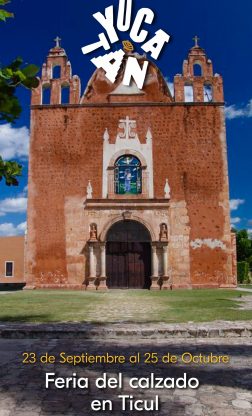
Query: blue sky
{"x": 225, "y": 32}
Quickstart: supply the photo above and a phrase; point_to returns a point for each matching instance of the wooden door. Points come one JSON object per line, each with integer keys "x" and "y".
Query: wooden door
{"x": 128, "y": 265}
{"x": 116, "y": 265}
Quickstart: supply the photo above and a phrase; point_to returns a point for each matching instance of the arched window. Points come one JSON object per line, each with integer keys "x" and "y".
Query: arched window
{"x": 188, "y": 91}
{"x": 56, "y": 72}
{"x": 65, "y": 94}
{"x": 208, "y": 93}
{"x": 197, "y": 70}
{"x": 46, "y": 94}
{"x": 128, "y": 175}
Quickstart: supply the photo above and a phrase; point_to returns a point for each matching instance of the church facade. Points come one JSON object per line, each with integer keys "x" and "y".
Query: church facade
{"x": 129, "y": 188}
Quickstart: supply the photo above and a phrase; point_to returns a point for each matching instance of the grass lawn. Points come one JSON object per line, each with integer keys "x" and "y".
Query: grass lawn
{"x": 123, "y": 306}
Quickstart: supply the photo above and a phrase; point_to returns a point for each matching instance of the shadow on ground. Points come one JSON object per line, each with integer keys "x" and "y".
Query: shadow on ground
{"x": 22, "y": 386}
{"x": 13, "y": 287}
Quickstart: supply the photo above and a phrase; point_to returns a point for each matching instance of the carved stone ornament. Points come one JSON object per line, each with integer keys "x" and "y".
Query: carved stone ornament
{"x": 127, "y": 215}
{"x": 167, "y": 190}
{"x": 106, "y": 135}
{"x": 127, "y": 125}
{"x": 93, "y": 232}
{"x": 163, "y": 232}
{"x": 148, "y": 136}
{"x": 89, "y": 190}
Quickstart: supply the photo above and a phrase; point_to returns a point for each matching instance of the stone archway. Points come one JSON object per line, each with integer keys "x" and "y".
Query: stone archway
{"x": 128, "y": 255}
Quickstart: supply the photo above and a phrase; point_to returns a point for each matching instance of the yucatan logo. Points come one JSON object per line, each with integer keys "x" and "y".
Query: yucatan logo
{"x": 111, "y": 62}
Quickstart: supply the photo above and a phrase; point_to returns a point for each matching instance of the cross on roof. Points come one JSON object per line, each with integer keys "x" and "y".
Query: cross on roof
{"x": 196, "y": 39}
{"x": 57, "y": 40}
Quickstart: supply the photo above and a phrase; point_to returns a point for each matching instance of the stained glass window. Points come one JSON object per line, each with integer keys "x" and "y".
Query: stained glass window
{"x": 128, "y": 175}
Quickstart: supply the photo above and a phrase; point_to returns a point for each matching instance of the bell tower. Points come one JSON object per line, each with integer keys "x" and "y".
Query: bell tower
{"x": 198, "y": 83}
{"x": 57, "y": 85}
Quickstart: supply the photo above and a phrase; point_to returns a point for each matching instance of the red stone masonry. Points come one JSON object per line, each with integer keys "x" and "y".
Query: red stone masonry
{"x": 189, "y": 148}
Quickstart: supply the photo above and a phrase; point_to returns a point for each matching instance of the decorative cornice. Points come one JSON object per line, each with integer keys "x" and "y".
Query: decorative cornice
{"x": 145, "y": 104}
{"x": 124, "y": 204}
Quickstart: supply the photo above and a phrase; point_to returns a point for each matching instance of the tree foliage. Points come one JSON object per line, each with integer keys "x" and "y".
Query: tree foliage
{"x": 11, "y": 77}
{"x": 244, "y": 254}
{"x": 9, "y": 171}
{"x": 243, "y": 272}
{"x": 14, "y": 75}
{"x": 4, "y": 14}
{"x": 244, "y": 246}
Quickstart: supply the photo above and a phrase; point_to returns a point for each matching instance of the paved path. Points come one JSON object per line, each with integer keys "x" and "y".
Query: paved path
{"x": 243, "y": 289}
{"x": 225, "y": 389}
{"x": 108, "y": 331}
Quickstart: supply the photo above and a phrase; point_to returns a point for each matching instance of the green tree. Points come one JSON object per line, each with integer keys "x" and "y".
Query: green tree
{"x": 243, "y": 272}
{"x": 244, "y": 246}
{"x": 4, "y": 14}
{"x": 244, "y": 255}
{"x": 16, "y": 74}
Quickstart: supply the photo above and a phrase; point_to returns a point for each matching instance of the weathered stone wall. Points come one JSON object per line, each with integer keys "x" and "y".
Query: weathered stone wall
{"x": 186, "y": 145}
{"x": 188, "y": 148}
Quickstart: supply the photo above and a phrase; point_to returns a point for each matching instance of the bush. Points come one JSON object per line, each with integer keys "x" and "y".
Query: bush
{"x": 243, "y": 272}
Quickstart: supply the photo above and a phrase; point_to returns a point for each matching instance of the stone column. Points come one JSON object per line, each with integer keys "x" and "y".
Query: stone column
{"x": 111, "y": 183}
{"x": 103, "y": 276}
{"x": 154, "y": 277}
{"x": 145, "y": 184}
{"x": 166, "y": 276}
{"x": 92, "y": 269}
{"x": 165, "y": 261}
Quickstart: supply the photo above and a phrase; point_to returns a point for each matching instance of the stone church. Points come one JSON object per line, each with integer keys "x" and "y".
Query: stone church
{"x": 129, "y": 188}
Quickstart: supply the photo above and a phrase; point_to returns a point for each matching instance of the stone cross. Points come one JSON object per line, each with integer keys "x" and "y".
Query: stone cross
{"x": 196, "y": 39}
{"x": 57, "y": 40}
{"x": 127, "y": 125}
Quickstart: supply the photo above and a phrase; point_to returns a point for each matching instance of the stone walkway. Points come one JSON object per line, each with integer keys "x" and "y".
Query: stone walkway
{"x": 124, "y": 307}
{"x": 220, "y": 329}
{"x": 243, "y": 289}
{"x": 225, "y": 389}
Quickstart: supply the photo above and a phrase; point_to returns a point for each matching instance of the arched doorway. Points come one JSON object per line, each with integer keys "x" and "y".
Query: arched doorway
{"x": 128, "y": 255}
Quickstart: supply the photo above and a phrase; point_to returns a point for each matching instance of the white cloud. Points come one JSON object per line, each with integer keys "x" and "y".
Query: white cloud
{"x": 235, "y": 220}
{"x": 234, "y": 111}
{"x": 8, "y": 229}
{"x": 250, "y": 232}
{"x": 171, "y": 87}
{"x": 22, "y": 226}
{"x": 14, "y": 142}
{"x": 13, "y": 205}
{"x": 235, "y": 203}
{"x": 188, "y": 93}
